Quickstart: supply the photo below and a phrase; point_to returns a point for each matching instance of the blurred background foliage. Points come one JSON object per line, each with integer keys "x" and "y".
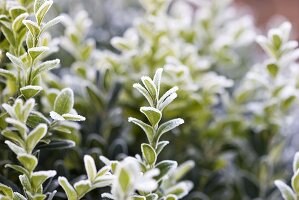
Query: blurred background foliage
{"x": 239, "y": 103}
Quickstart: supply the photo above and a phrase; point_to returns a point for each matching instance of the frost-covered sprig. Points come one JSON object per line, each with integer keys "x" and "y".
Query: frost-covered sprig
{"x": 95, "y": 179}
{"x": 139, "y": 178}
{"x": 290, "y": 193}
{"x": 22, "y": 140}
{"x": 154, "y": 131}
{"x": 24, "y": 75}
{"x": 151, "y": 91}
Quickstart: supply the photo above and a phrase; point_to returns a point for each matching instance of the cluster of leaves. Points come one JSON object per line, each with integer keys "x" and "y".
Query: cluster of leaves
{"x": 26, "y": 129}
{"x": 141, "y": 177}
{"x": 237, "y": 112}
{"x": 231, "y": 109}
{"x": 40, "y": 114}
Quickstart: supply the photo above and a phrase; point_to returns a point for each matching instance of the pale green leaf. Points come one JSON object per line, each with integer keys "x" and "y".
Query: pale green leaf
{"x": 286, "y": 192}
{"x": 68, "y": 188}
{"x": 28, "y": 161}
{"x": 42, "y": 11}
{"x": 35, "y": 136}
{"x": 64, "y": 102}
{"x": 38, "y": 178}
{"x": 153, "y": 115}
{"x": 32, "y": 27}
{"x": 90, "y": 168}
{"x": 149, "y": 154}
{"x": 30, "y": 91}
{"x": 145, "y": 127}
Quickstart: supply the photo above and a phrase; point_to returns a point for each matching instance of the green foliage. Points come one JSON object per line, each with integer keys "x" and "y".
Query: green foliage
{"x": 238, "y": 107}
{"x": 23, "y": 142}
{"x": 132, "y": 177}
{"x": 96, "y": 179}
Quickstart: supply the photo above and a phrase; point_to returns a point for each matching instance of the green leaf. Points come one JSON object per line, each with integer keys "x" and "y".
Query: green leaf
{"x": 17, "y": 168}
{"x": 18, "y": 125}
{"x": 151, "y": 87}
{"x": 68, "y": 188}
{"x": 28, "y": 161}
{"x": 35, "y": 136}
{"x": 286, "y": 192}
{"x": 90, "y": 168}
{"x": 145, "y": 127}
{"x": 17, "y": 23}
{"x": 15, "y": 148}
{"x": 153, "y": 115}
{"x": 82, "y": 187}
{"x": 87, "y": 50}
{"x": 46, "y": 66}
{"x": 167, "y": 101}
{"x": 168, "y": 93}
{"x": 145, "y": 93}
{"x": 124, "y": 180}
{"x": 32, "y": 27}
{"x": 38, "y": 4}
{"x": 167, "y": 98}
{"x": 277, "y": 41}
{"x": 30, "y": 41}
{"x": 38, "y": 178}
{"x": 16, "y": 61}
{"x": 35, "y": 52}
{"x": 167, "y": 126}
{"x": 30, "y": 91}
{"x": 55, "y": 116}
{"x": 9, "y": 109}
{"x": 27, "y": 109}
{"x": 102, "y": 171}
{"x": 51, "y": 23}
{"x": 7, "y": 74}
{"x": 12, "y": 136}
{"x": 20, "y": 39}
{"x": 64, "y": 102}
{"x": 295, "y": 182}
{"x": 72, "y": 117}
{"x": 16, "y": 11}
{"x": 25, "y": 182}
{"x": 160, "y": 146}
{"x": 8, "y": 35}
{"x": 42, "y": 11}
{"x": 165, "y": 168}
{"x": 7, "y": 191}
{"x": 149, "y": 154}
{"x": 272, "y": 69}
{"x": 157, "y": 78}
